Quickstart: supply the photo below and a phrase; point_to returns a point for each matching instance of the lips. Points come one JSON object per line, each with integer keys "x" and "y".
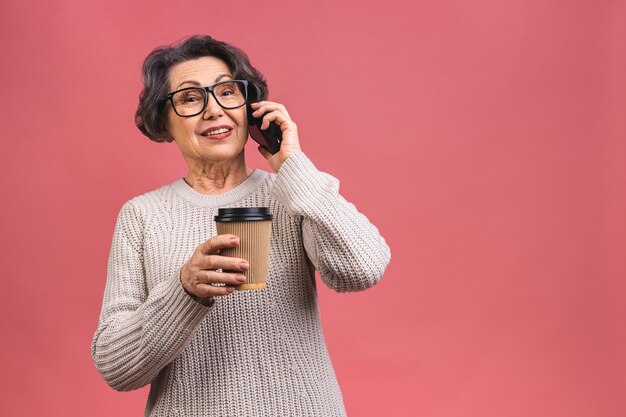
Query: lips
{"x": 217, "y": 132}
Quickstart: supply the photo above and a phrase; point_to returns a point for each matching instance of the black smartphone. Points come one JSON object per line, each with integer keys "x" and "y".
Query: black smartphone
{"x": 269, "y": 138}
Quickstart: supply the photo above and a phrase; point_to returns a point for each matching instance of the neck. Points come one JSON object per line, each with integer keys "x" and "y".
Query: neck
{"x": 217, "y": 177}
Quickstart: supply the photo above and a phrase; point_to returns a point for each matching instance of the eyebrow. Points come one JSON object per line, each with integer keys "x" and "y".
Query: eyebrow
{"x": 192, "y": 82}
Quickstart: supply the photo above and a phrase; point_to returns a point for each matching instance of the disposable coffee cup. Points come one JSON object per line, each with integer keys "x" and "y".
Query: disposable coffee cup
{"x": 253, "y": 226}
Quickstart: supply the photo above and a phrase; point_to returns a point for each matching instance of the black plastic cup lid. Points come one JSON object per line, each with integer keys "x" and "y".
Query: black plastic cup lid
{"x": 243, "y": 214}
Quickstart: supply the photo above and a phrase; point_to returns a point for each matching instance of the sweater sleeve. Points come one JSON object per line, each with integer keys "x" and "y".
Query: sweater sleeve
{"x": 346, "y": 249}
{"x": 140, "y": 331}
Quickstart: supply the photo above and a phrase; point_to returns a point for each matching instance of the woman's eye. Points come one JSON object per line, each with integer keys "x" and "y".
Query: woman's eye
{"x": 192, "y": 99}
{"x": 189, "y": 98}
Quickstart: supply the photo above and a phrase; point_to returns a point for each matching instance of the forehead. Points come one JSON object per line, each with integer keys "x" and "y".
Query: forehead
{"x": 203, "y": 70}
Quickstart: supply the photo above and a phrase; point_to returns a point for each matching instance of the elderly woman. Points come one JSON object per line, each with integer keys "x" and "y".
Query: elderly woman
{"x": 171, "y": 316}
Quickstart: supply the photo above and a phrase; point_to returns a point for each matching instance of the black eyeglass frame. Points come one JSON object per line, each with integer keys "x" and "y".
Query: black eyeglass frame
{"x": 207, "y": 90}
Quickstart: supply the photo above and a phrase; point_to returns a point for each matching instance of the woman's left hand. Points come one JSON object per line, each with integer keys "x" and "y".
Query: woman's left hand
{"x": 290, "y": 144}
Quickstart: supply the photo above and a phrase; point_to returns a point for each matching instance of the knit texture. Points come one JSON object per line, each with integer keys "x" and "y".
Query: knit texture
{"x": 251, "y": 353}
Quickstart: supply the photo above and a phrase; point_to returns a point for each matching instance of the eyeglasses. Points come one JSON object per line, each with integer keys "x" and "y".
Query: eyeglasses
{"x": 192, "y": 101}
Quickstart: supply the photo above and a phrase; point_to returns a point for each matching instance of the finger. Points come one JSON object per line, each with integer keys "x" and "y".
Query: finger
{"x": 217, "y": 242}
{"x": 264, "y": 109}
{"x": 222, "y": 278}
{"x": 213, "y": 262}
{"x": 264, "y": 104}
{"x": 207, "y": 290}
{"x": 277, "y": 117}
{"x": 269, "y": 107}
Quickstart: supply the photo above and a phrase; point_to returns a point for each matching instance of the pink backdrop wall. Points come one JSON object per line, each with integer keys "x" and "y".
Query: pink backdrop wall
{"x": 485, "y": 139}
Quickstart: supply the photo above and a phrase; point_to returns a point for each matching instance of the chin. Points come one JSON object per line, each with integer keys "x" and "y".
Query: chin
{"x": 221, "y": 152}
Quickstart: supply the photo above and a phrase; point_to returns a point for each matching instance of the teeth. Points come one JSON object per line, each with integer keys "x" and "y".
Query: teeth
{"x": 217, "y": 131}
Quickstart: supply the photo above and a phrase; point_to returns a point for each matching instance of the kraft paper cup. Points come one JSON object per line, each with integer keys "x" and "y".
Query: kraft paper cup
{"x": 253, "y": 226}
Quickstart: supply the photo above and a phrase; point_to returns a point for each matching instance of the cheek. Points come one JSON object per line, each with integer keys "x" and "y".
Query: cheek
{"x": 181, "y": 128}
{"x": 244, "y": 128}
{"x": 241, "y": 118}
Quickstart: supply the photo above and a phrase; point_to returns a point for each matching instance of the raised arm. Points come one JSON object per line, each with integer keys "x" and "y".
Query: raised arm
{"x": 342, "y": 244}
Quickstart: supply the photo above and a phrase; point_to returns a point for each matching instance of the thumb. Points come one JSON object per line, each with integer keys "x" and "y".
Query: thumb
{"x": 266, "y": 154}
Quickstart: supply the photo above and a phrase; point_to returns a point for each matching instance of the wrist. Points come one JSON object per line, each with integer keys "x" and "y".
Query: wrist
{"x": 207, "y": 301}
{"x": 284, "y": 158}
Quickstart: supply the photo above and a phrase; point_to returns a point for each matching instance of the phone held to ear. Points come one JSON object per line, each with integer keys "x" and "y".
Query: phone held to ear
{"x": 269, "y": 138}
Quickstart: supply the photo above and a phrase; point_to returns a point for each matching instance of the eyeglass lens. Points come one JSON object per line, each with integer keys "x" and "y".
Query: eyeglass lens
{"x": 191, "y": 101}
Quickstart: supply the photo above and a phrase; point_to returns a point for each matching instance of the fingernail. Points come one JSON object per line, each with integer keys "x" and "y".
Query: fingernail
{"x": 234, "y": 241}
{"x": 244, "y": 265}
{"x": 240, "y": 278}
{"x": 230, "y": 289}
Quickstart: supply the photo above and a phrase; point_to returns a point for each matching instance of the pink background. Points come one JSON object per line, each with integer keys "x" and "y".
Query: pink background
{"x": 485, "y": 139}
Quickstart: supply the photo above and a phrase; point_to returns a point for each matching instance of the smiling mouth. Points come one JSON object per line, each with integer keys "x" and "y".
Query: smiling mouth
{"x": 216, "y": 132}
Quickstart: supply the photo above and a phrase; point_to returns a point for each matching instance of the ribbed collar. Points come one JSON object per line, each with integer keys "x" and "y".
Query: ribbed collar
{"x": 243, "y": 190}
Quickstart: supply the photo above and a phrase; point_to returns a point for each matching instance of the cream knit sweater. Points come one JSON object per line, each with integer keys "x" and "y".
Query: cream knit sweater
{"x": 252, "y": 353}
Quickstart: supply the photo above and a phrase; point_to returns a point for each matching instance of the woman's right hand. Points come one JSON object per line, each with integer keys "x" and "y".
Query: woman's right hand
{"x": 200, "y": 273}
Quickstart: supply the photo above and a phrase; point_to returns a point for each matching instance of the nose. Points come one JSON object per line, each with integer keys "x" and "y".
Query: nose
{"x": 212, "y": 109}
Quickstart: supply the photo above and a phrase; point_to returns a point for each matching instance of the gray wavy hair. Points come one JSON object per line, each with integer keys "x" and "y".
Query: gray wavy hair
{"x": 151, "y": 113}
